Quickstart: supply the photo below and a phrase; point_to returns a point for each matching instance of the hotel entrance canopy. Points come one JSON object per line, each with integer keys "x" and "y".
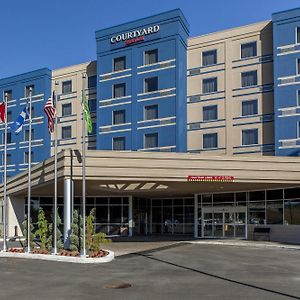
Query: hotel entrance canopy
{"x": 149, "y": 174}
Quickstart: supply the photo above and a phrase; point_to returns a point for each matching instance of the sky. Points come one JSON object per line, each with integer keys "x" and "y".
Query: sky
{"x": 57, "y": 33}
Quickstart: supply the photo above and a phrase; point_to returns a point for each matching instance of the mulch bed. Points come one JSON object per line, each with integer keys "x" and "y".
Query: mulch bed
{"x": 16, "y": 250}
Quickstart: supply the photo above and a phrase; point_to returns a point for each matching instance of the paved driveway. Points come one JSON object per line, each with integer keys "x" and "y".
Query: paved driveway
{"x": 178, "y": 271}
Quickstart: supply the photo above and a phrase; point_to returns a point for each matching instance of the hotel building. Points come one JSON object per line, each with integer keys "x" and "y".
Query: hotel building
{"x": 224, "y": 106}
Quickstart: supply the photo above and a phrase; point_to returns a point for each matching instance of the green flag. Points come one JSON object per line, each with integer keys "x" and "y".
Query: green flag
{"x": 87, "y": 116}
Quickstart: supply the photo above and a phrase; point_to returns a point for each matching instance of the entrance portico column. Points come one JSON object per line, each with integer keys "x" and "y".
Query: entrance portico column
{"x": 195, "y": 216}
{"x": 67, "y": 210}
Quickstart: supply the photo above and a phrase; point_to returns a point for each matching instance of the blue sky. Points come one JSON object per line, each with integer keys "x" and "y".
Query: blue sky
{"x": 57, "y": 33}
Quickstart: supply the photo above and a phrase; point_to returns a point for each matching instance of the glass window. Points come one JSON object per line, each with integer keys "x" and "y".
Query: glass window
{"x": 151, "y": 57}
{"x": 250, "y": 137}
{"x": 29, "y": 88}
{"x": 119, "y": 117}
{"x": 257, "y": 212}
{"x": 8, "y": 159}
{"x": 66, "y": 132}
{"x": 151, "y": 112}
{"x": 119, "y": 90}
{"x": 26, "y": 135}
{"x": 298, "y": 35}
{"x": 8, "y": 138}
{"x": 249, "y": 108}
{"x": 119, "y": 143}
{"x": 298, "y": 66}
{"x": 32, "y": 112}
{"x": 67, "y": 87}
{"x": 101, "y": 214}
{"x": 292, "y": 193}
{"x": 292, "y": 212}
{"x": 94, "y": 129}
{"x": 151, "y": 84}
{"x": 9, "y": 116}
{"x": 8, "y": 95}
{"x": 249, "y": 78}
{"x": 92, "y": 105}
{"x": 119, "y": 63}
{"x": 210, "y": 140}
{"x": 66, "y": 109}
{"x": 210, "y": 85}
{"x": 209, "y": 58}
{"x": 210, "y": 113}
{"x": 92, "y": 81}
{"x": 26, "y": 157}
{"x": 274, "y": 211}
{"x": 248, "y": 50}
{"x": 274, "y": 194}
{"x": 151, "y": 140}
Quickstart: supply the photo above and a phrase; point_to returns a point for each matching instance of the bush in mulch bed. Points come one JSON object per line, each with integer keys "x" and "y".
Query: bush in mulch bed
{"x": 100, "y": 253}
{"x": 69, "y": 253}
{"x": 16, "y": 250}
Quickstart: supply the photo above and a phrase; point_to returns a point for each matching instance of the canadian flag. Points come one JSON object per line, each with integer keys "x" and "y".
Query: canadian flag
{"x": 2, "y": 112}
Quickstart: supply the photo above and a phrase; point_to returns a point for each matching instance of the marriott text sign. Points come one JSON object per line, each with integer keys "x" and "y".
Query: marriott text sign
{"x": 136, "y": 35}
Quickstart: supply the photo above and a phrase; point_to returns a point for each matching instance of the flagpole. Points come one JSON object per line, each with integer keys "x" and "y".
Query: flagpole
{"x": 29, "y": 175}
{"x": 5, "y": 178}
{"x": 83, "y": 165}
{"x": 55, "y": 172}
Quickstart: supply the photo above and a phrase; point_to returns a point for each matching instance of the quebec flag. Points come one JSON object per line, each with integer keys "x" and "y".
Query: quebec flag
{"x": 21, "y": 119}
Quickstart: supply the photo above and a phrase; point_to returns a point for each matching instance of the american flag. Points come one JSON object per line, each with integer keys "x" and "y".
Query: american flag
{"x": 50, "y": 112}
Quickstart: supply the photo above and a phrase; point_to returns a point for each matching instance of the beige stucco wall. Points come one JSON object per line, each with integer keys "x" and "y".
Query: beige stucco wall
{"x": 230, "y": 94}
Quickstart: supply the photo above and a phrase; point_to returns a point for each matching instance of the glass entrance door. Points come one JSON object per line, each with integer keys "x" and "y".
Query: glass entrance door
{"x": 224, "y": 222}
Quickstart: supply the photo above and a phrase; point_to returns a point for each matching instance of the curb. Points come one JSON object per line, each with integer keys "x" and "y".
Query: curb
{"x": 78, "y": 260}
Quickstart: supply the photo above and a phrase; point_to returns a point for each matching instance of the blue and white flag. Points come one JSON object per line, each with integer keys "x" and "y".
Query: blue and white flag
{"x": 21, "y": 119}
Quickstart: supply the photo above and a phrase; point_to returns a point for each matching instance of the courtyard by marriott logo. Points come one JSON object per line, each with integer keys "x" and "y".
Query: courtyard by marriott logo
{"x": 210, "y": 178}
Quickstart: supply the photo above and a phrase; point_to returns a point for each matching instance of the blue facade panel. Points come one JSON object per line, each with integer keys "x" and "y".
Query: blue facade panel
{"x": 286, "y": 82}
{"x": 167, "y": 33}
{"x": 41, "y": 80}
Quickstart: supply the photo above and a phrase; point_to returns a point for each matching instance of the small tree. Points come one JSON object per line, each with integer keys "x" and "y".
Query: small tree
{"x": 43, "y": 230}
{"x": 59, "y": 243}
{"x": 25, "y": 232}
{"x": 76, "y": 232}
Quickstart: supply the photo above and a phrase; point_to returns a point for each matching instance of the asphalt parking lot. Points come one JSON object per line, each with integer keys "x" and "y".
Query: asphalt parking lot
{"x": 178, "y": 271}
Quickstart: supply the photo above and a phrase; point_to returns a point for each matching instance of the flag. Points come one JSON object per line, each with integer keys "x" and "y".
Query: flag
{"x": 21, "y": 119}
{"x": 87, "y": 115}
{"x": 2, "y": 112}
{"x": 50, "y": 112}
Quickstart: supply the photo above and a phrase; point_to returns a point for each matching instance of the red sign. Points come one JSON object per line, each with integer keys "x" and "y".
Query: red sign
{"x": 211, "y": 178}
{"x": 135, "y": 40}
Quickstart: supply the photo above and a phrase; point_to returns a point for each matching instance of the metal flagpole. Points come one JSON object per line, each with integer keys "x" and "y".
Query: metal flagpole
{"x": 83, "y": 164}
{"x": 55, "y": 172}
{"x": 29, "y": 175}
{"x": 5, "y": 177}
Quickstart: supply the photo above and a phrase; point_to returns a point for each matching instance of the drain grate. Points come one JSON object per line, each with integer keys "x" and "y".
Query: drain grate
{"x": 118, "y": 286}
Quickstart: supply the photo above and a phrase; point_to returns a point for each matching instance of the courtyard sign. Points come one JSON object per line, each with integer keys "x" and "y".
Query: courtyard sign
{"x": 131, "y": 37}
{"x": 211, "y": 178}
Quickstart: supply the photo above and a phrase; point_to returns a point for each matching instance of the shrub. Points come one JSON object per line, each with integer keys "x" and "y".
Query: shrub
{"x": 43, "y": 230}
{"x": 59, "y": 243}
{"x": 76, "y": 232}
{"x": 25, "y": 232}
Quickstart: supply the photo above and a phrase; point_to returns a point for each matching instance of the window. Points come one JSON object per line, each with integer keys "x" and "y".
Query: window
{"x": 92, "y": 81}
{"x": 298, "y": 97}
{"x": 32, "y": 111}
{"x": 9, "y": 116}
{"x": 151, "y": 57}
{"x": 210, "y": 140}
{"x": 209, "y": 85}
{"x": 209, "y": 58}
{"x": 118, "y": 117}
{"x": 250, "y": 137}
{"x": 297, "y": 35}
{"x": 151, "y": 140}
{"x": 119, "y": 90}
{"x": 249, "y": 78}
{"x": 248, "y": 50}
{"x": 92, "y": 105}
{"x": 26, "y": 135}
{"x": 8, "y": 138}
{"x": 26, "y": 157}
{"x": 66, "y": 132}
{"x": 94, "y": 127}
{"x": 151, "y": 84}
{"x": 8, "y": 159}
{"x": 249, "y": 108}
{"x": 151, "y": 112}
{"x": 66, "y": 109}
{"x": 29, "y": 88}
{"x": 67, "y": 87}
{"x": 298, "y": 129}
{"x": 119, "y": 143}
{"x": 8, "y": 95}
{"x": 119, "y": 63}
{"x": 298, "y": 66}
{"x": 210, "y": 113}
